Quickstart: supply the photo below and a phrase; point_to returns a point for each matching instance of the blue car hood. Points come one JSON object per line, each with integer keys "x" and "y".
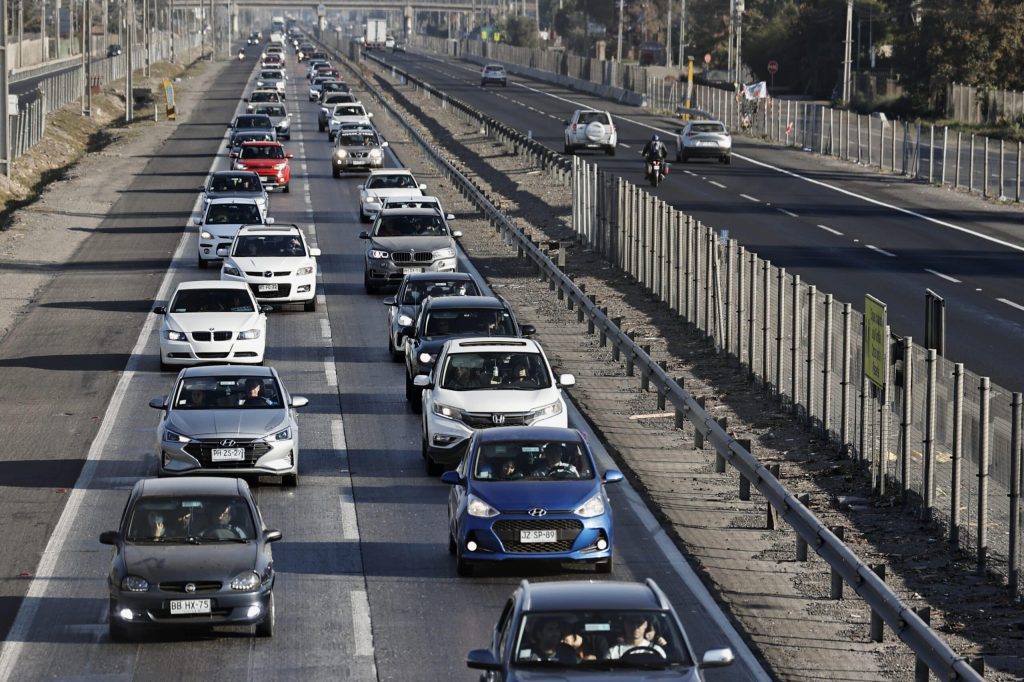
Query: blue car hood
{"x": 522, "y": 495}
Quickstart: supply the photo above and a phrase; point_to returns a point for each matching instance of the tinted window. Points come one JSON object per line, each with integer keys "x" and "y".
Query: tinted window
{"x": 534, "y": 461}
{"x": 417, "y": 290}
{"x": 272, "y": 110}
{"x": 343, "y": 110}
{"x": 262, "y": 151}
{"x": 707, "y": 128}
{"x": 212, "y": 301}
{"x": 264, "y": 96}
{"x": 410, "y": 226}
{"x": 594, "y": 117}
{"x": 483, "y": 322}
{"x": 503, "y": 371}
{"x": 227, "y": 393}
{"x": 253, "y": 122}
{"x": 391, "y": 182}
{"x": 201, "y": 517}
{"x": 232, "y": 214}
{"x": 357, "y": 140}
{"x": 267, "y": 246}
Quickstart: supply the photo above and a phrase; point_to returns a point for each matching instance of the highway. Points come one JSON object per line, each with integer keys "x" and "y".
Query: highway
{"x": 366, "y": 588}
{"x": 847, "y": 231}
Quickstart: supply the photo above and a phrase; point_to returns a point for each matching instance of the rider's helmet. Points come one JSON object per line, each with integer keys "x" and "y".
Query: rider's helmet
{"x": 654, "y": 137}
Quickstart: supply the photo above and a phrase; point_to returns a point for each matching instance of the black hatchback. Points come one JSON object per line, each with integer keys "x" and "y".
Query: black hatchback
{"x": 191, "y": 552}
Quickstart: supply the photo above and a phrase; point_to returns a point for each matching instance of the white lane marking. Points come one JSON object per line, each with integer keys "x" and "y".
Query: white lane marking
{"x": 954, "y": 280}
{"x": 331, "y": 371}
{"x": 790, "y": 214}
{"x": 325, "y": 328}
{"x": 750, "y": 198}
{"x": 361, "y": 631}
{"x": 321, "y": 299}
{"x": 312, "y": 230}
{"x": 1018, "y": 306}
{"x": 349, "y": 520}
{"x": 829, "y": 229}
{"x": 717, "y": 184}
{"x": 624, "y": 145}
{"x": 881, "y": 251}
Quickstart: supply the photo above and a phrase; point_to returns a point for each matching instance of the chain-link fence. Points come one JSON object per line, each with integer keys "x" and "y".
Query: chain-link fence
{"x": 941, "y": 434}
{"x": 972, "y": 104}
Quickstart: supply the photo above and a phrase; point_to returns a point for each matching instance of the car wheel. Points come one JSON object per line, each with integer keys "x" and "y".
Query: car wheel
{"x": 201, "y": 263}
{"x": 265, "y": 628}
{"x": 683, "y": 158}
{"x": 727, "y": 160}
{"x": 397, "y": 354}
{"x": 414, "y": 395}
{"x": 463, "y": 567}
{"x": 330, "y": 136}
{"x": 363, "y": 218}
{"x": 287, "y": 189}
{"x": 321, "y": 127}
{"x": 164, "y": 367}
{"x": 566, "y": 149}
{"x": 452, "y": 548}
{"x": 432, "y": 468}
{"x": 368, "y": 286}
{"x": 335, "y": 172}
{"x": 610, "y": 151}
{"x": 604, "y": 567}
{"x": 290, "y": 480}
{"x": 310, "y": 305}
{"x": 118, "y": 631}
{"x": 679, "y": 157}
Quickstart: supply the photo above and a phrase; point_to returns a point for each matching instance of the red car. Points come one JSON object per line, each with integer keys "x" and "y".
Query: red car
{"x": 269, "y": 160}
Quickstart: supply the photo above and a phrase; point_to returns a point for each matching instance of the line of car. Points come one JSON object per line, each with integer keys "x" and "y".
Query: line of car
{"x": 193, "y": 549}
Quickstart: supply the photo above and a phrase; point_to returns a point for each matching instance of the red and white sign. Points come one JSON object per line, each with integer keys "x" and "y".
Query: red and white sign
{"x": 773, "y": 67}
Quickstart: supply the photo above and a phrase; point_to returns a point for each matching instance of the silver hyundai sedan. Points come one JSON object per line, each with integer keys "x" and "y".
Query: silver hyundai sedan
{"x": 229, "y": 419}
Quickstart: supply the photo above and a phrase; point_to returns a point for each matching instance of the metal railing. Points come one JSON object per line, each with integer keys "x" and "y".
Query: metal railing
{"x": 626, "y": 234}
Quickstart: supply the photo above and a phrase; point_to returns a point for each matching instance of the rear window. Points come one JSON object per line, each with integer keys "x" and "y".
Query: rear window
{"x": 594, "y": 117}
{"x": 253, "y": 122}
{"x": 707, "y": 128}
{"x": 262, "y": 151}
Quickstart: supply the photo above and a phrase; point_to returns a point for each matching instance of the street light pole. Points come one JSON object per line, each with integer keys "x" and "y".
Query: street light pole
{"x": 618, "y": 54}
{"x": 847, "y": 51}
{"x": 682, "y": 32}
{"x": 129, "y": 101}
{"x": 5, "y": 119}
{"x": 739, "y": 40}
{"x": 668, "y": 37}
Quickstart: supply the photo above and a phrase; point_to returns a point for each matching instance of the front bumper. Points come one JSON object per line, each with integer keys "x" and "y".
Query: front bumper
{"x": 288, "y": 289}
{"x": 227, "y": 607}
{"x": 447, "y": 438}
{"x": 349, "y": 163}
{"x": 498, "y": 538}
{"x": 186, "y": 353}
{"x": 271, "y": 178}
{"x": 261, "y": 458}
{"x": 385, "y": 271}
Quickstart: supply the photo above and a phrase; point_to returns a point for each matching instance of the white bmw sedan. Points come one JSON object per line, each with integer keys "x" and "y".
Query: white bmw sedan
{"x": 212, "y": 323}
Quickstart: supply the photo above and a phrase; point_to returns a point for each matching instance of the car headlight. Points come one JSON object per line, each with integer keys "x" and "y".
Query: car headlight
{"x": 308, "y": 270}
{"x": 286, "y": 123}
{"x": 477, "y": 507}
{"x": 404, "y": 321}
{"x": 446, "y": 411}
{"x": 426, "y": 358}
{"x": 173, "y": 437}
{"x": 206, "y": 234}
{"x": 444, "y": 253}
{"x": 134, "y": 583}
{"x": 241, "y": 166}
{"x": 283, "y": 434}
{"x": 228, "y": 270}
{"x": 592, "y": 507}
{"x": 376, "y": 153}
{"x": 259, "y": 84}
{"x": 323, "y": 110}
{"x": 371, "y": 200}
{"x": 279, "y": 166}
{"x": 249, "y": 334}
{"x": 377, "y": 253}
{"x": 172, "y": 335}
{"x": 546, "y": 411}
{"x": 341, "y": 153}
{"x": 246, "y": 582}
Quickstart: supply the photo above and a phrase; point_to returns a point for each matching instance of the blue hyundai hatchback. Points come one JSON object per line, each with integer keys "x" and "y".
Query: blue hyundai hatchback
{"x": 529, "y": 493}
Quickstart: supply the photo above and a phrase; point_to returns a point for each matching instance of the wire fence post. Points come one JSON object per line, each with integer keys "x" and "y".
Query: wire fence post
{"x": 983, "y": 466}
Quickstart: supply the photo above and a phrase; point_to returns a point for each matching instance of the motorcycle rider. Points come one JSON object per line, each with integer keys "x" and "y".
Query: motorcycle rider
{"x": 654, "y": 149}
{"x": 241, "y": 53}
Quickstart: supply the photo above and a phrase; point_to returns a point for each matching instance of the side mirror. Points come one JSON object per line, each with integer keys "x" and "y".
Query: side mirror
{"x": 197, "y": 221}
{"x": 481, "y": 659}
{"x": 565, "y": 123}
{"x": 717, "y": 658}
{"x": 452, "y": 478}
{"x": 369, "y": 114}
{"x": 409, "y": 332}
{"x": 245, "y": 99}
{"x": 270, "y": 221}
{"x": 272, "y": 535}
{"x": 202, "y": 188}
{"x": 384, "y": 144}
{"x": 423, "y": 186}
{"x": 298, "y": 401}
{"x": 314, "y": 252}
{"x": 160, "y": 310}
{"x": 566, "y": 380}
{"x": 289, "y": 155}
{"x": 109, "y": 537}
{"x": 421, "y": 381}
{"x": 266, "y": 308}
{"x": 450, "y": 216}
{"x": 612, "y": 476}
{"x": 222, "y": 252}
{"x": 233, "y": 155}
{"x": 390, "y": 301}
{"x": 364, "y": 235}
{"x": 528, "y": 330}
{"x": 158, "y": 403}
{"x": 457, "y": 234}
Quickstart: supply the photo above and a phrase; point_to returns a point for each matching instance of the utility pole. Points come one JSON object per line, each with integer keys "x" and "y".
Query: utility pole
{"x": 847, "y": 51}
{"x": 129, "y": 101}
{"x": 145, "y": 33}
{"x": 42, "y": 26}
{"x": 86, "y": 36}
{"x": 739, "y": 40}
{"x": 5, "y": 123}
{"x": 682, "y": 33}
{"x": 170, "y": 26}
{"x": 21, "y": 33}
{"x": 618, "y": 55}
{"x": 668, "y": 37}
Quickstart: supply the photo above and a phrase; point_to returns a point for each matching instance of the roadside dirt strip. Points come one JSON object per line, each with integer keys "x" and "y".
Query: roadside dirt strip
{"x": 782, "y": 605}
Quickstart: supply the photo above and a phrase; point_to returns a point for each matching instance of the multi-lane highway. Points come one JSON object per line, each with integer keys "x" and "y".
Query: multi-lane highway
{"x": 847, "y": 231}
{"x": 366, "y": 588}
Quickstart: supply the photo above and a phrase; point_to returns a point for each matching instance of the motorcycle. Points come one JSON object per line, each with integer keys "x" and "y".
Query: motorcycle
{"x": 658, "y": 171}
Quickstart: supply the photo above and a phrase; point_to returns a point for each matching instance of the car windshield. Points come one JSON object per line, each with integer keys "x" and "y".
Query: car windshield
{"x": 593, "y": 117}
{"x": 334, "y": 86}
{"x": 264, "y": 96}
{"x": 235, "y": 183}
{"x": 239, "y": 138}
{"x": 506, "y": 371}
{"x": 707, "y": 128}
{"x": 410, "y": 226}
{"x": 343, "y": 97}
{"x": 269, "y": 246}
{"x": 212, "y": 301}
{"x": 417, "y": 290}
{"x": 227, "y": 392}
{"x": 190, "y": 519}
{"x": 272, "y": 110}
{"x": 262, "y": 151}
{"x": 396, "y": 181}
{"x": 532, "y": 461}
{"x": 348, "y": 110}
{"x": 232, "y": 214}
{"x": 472, "y": 322}
{"x": 641, "y": 639}
{"x": 270, "y": 74}
{"x": 357, "y": 140}
{"x": 253, "y": 122}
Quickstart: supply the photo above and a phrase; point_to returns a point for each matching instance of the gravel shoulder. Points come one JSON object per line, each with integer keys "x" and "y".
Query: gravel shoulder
{"x": 782, "y": 605}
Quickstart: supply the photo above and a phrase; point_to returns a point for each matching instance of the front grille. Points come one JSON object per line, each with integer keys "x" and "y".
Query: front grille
{"x": 485, "y": 420}
{"x": 283, "y": 290}
{"x": 508, "y": 533}
{"x": 417, "y": 256}
{"x": 212, "y": 356}
{"x": 263, "y": 273}
{"x": 201, "y": 586}
{"x": 253, "y": 451}
{"x": 216, "y": 336}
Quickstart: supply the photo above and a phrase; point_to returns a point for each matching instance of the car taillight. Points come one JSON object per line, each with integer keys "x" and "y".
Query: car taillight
{"x": 574, "y": 127}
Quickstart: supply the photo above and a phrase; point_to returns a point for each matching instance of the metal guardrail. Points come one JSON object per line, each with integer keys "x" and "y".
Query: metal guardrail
{"x": 929, "y": 648}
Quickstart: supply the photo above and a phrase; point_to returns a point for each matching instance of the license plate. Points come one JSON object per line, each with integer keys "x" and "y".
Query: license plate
{"x": 268, "y": 287}
{"x": 181, "y": 607}
{"x": 538, "y": 536}
{"x": 408, "y": 270}
{"x": 227, "y": 454}
{"x": 707, "y": 144}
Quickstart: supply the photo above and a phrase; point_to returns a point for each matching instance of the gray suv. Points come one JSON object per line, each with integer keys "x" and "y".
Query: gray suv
{"x": 355, "y": 149}
{"x": 404, "y": 240}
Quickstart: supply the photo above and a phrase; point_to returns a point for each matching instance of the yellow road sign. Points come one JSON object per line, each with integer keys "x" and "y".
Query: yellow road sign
{"x": 874, "y": 340}
{"x": 169, "y": 95}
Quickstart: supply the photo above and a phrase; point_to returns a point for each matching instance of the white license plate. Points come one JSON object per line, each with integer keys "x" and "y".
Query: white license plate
{"x": 268, "y": 287}
{"x": 227, "y": 454}
{"x": 180, "y": 607}
{"x": 538, "y": 536}
{"x": 408, "y": 270}
{"x": 704, "y": 143}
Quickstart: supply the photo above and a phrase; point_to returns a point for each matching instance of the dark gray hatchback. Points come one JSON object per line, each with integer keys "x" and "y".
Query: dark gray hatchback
{"x": 191, "y": 552}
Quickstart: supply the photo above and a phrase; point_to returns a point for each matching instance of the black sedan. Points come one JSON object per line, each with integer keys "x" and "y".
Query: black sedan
{"x": 191, "y": 552}
{"x": 417, "y": 287}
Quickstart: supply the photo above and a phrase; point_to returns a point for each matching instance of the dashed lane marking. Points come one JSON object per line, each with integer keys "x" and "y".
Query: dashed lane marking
{"x": 832, "y": 230}
{"x": 954, "y": 280}
{"x": 880, "y": 250}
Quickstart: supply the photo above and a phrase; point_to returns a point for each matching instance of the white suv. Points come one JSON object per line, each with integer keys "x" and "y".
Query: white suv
{"x": 590, "y": 129}
{"x": 220, "y": 223}
{"x": 275, "y": 262}
{"x": 482, "y": 382}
